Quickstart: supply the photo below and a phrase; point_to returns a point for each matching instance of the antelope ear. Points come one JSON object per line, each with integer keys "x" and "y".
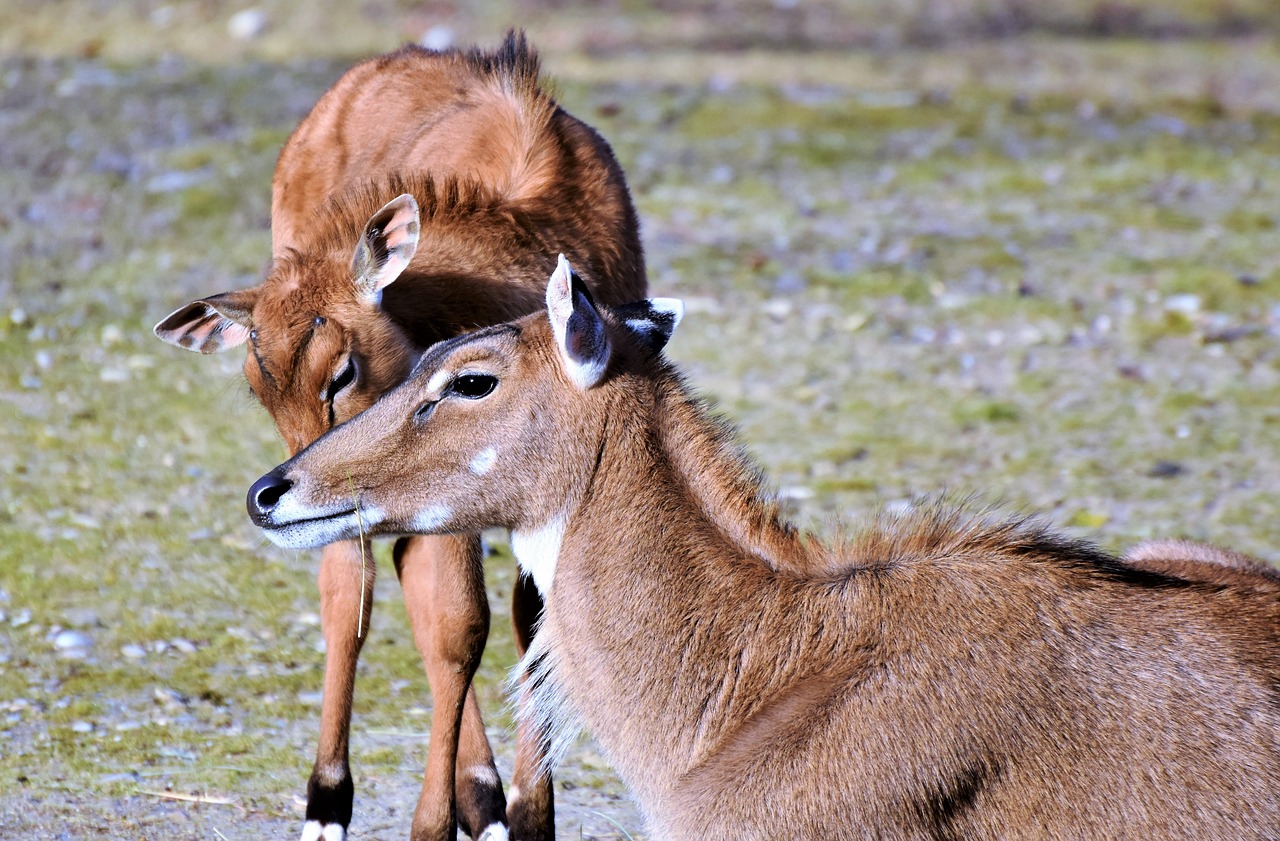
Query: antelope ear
{"x": 654, "y": 319}
{"x": 579, "y": 329}
{"x": 212, "y": 324}
{"x": 385, "y": 248}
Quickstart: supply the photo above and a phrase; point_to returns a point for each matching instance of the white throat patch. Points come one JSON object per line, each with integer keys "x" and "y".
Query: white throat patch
{"x": 538, "y": 550}
{"x": 430, "y": 519}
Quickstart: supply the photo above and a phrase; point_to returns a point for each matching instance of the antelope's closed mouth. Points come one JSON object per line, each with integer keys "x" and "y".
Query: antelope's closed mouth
{"x": 278, "y": 524}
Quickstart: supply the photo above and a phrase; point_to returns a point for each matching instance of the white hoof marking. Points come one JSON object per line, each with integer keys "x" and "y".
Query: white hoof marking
{"x": 315, "y": 831}
{"x": 494, "y": 832}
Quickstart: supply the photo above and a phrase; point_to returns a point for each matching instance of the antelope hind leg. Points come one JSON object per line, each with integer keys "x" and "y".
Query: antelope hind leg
{"x": 531, "y": 811}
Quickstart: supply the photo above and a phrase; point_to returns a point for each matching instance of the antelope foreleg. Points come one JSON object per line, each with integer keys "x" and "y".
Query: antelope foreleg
{"x": 443, "y": 582}
{"x": 344, "y": 620}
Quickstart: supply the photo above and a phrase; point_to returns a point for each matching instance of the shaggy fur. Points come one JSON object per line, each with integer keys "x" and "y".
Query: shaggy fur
{"x": 939, "y": 675}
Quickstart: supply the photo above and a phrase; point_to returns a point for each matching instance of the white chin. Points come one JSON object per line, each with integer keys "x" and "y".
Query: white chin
{"x": 312, "y": 534}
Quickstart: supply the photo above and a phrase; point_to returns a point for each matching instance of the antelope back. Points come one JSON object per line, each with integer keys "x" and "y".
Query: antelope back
{"x": 425, "y": 194}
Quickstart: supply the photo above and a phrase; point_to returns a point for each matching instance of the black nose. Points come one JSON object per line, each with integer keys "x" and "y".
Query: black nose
{"x": 264, "y": 495}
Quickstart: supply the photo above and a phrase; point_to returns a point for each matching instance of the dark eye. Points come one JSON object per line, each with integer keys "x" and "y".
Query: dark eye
{"x": 473, "y": 386}
{"x": 345, "y": 378}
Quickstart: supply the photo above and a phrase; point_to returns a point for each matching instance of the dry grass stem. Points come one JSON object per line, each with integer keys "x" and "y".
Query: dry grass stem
{"x": 189, "y": 798}
{"x": 360, "y": 523}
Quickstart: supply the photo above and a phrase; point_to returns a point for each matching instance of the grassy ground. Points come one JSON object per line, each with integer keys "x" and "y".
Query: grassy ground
{"x": 1043, "y": 268}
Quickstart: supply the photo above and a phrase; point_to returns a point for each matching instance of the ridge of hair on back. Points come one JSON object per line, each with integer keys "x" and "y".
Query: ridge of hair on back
{"x": 348, "y": 211}
{"x": 514, "y": 63}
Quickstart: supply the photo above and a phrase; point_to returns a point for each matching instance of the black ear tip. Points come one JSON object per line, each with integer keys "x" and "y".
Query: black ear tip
{"x": 180, "y": 316}
{"x": 579, "y": 287}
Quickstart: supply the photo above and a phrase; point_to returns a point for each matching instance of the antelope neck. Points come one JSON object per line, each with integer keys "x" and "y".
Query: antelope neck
{"x": 654, "y": 599}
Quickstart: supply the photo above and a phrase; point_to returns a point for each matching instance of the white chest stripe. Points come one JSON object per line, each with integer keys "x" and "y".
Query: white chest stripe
{"x": 538, "y": 550}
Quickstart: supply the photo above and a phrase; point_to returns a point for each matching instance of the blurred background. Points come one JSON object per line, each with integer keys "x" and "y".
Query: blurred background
{"x": 1021, "y": 250}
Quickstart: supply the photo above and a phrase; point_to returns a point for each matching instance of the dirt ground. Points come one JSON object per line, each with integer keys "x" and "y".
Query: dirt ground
{"x": 985, "y": 249}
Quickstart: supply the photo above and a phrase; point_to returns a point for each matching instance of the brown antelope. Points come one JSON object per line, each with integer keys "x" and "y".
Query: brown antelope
{"x": 419, "y": 198}
{"x": 940, "y": 676}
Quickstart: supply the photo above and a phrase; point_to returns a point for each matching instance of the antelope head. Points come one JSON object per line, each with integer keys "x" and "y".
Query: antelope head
{"x": 500, "y": 427}
{"x": 320, "y": 347}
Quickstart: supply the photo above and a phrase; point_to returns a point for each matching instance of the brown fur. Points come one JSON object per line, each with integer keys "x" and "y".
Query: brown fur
{"x": 1203, "y": 562}
{"x": 938, "y": 676}
{"x": 505, "y": 179}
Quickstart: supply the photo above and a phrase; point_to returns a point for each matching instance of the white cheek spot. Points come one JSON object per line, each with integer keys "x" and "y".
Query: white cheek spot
{"x": 430, "y": 519}
{"x": 538, "y": 550}
{"x": 437, "y": 381}
{"x": 484, "y": 460}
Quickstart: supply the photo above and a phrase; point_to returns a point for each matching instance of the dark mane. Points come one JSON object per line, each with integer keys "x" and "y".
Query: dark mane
{"x": 337, "y": 223}
{"x": 514, "y": 64}
{"x": 938, "y": 529}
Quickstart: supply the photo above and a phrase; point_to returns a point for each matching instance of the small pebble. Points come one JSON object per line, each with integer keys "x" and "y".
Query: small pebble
{"x": 133, "y": 652}
{"x": 82, "y": 727}
{"x": 789, "y": 283}
{"x": 247, "y": 24}
{"x": 777, "y": 308}
{"x": 73, "y": 643}
{"x": 1166, "y": 470}
{"x": 170, "y": 697}
{"x": 184, "y": 646}
{"x": 1187, "y": 304}
{"x": 438, "y": 37}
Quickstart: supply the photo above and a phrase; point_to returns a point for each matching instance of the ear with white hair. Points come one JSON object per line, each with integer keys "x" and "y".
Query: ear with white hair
{"x": 653, "y": 319}
{"x": 387, "y": 245}
{"x": 580, "y": 331}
